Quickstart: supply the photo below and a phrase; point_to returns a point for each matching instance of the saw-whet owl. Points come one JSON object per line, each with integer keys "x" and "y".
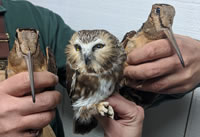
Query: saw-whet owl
{"x": 95, "y": 61}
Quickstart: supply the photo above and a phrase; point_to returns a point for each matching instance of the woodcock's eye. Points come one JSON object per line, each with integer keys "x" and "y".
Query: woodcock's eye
{"x": 158, "y": 11}
{"x": 77, "y": 47}
{"x": 98, "y": 46}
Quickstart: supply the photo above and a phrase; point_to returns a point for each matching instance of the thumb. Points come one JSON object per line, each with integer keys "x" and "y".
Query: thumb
{"x": 110, "y": 126}
{"x": 19, "y": 84}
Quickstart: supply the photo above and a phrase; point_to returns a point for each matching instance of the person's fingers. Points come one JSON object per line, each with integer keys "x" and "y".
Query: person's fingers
{"x": 178, "y": 81}
{"x": 130, "y": 115}
{"x": 153, "y": 69}
{"x": 44, "y": 102}
{"x": 19, "y": 84}
{"x": 122, "y": 106}
{"x": 175, "y": 90}
{"x": 110, "y": 126}
{"x": 21, "y": 134}
{"x": 105, "y": 121}
{"x": 140, "y": 113}
{"x": 153, "y": 85}
{"x": 151, "y": 51}
{"x": 37, "y": 120}
{"x": 29, "y": 133}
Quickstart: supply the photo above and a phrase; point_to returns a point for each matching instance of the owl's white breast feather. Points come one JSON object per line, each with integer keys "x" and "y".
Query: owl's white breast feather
{"x": 105, "y": 90}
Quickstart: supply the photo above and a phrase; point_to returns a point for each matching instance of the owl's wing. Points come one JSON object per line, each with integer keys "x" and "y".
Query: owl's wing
{"x": 70, "y": 79}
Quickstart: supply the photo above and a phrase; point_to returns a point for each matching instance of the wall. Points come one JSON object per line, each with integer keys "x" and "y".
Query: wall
{"x": 120, "y": 16}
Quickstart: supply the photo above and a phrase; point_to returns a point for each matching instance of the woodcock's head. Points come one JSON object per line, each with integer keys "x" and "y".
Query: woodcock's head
{"x": 92, "y": 51}
{"x": 159, "y": 25}
{"x": 162, "y": 15}
{"x": 26, "y": 41}
{"x": 160, "y": 18}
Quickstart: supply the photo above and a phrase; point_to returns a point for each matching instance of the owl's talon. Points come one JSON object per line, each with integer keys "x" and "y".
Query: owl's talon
{"x": 110, "y": 112}
{"x": 105, "y": 109}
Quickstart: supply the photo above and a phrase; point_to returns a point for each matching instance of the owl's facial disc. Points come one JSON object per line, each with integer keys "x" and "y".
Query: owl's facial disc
{"x": 87, "y": 50}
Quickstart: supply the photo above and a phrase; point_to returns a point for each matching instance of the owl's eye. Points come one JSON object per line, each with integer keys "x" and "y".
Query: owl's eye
{"x": 77, "y": 47}
{"x": 98, "y": 46}
{"x": 157, "y": 11}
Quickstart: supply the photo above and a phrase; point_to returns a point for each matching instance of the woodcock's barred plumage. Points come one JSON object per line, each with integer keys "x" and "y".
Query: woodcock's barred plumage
{"x": 26, "y": 55}
{"x": 94, "y": 69}
{"x": 157, "y": 26}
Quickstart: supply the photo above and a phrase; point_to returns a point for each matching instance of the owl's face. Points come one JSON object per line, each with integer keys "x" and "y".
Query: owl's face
{"x": 92, "y": 51}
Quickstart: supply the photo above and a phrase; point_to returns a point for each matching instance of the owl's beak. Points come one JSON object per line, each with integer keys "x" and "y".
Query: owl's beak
{"x": 169, "y": 33}
{"x": 87, "y": 59}
{"x": 30, "y": 70}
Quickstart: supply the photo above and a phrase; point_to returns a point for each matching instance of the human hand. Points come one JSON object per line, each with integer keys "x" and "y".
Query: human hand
{"x": 130, "y": 121}
{"x": 158, "y": 66}
{"x": 18, "y": 114}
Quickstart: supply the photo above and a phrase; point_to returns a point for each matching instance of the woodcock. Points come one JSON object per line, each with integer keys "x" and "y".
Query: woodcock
{"x": 157, "y": 26}
{"x": 26, "y": 55}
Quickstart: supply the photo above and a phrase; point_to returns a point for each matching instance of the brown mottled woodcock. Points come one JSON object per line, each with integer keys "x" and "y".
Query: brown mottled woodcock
{"x": 157, "y": 26}
{"x": 26, "y": 55}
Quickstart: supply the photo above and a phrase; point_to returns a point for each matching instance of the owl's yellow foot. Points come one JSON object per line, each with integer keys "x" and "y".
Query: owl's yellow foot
{"x": 105, "y": 109}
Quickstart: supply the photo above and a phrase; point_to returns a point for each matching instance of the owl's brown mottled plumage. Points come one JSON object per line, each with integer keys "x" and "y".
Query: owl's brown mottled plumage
{"x": 94, "y": 69}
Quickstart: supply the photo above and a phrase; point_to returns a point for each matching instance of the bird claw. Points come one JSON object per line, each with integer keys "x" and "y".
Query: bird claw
{"x": 105, "y": 109}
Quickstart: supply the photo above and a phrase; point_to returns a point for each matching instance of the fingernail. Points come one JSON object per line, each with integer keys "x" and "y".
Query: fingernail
{"x": 127, "y": 82}
{"x": 57, "y": 79}
{"x": 127, "y": 59}
{"x": 134, "y": 83}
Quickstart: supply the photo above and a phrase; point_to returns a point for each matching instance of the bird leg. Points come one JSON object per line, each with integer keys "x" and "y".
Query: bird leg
{"x": 105, "y": 109}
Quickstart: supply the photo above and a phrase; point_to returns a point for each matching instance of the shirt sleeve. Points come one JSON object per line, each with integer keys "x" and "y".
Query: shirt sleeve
{"x": 57, "y": 41}
{"x": 59, "y": 34}
{"x": 55, "y": 33}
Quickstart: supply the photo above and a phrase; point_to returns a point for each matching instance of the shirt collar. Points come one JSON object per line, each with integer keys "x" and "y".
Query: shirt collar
{"x": 2, "y": 9}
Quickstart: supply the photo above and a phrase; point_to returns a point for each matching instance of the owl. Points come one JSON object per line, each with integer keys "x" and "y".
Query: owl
{"x": 94, "y": 67}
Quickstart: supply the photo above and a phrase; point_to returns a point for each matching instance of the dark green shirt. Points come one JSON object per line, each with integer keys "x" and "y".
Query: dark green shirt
{"x": 53, "y": 33}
